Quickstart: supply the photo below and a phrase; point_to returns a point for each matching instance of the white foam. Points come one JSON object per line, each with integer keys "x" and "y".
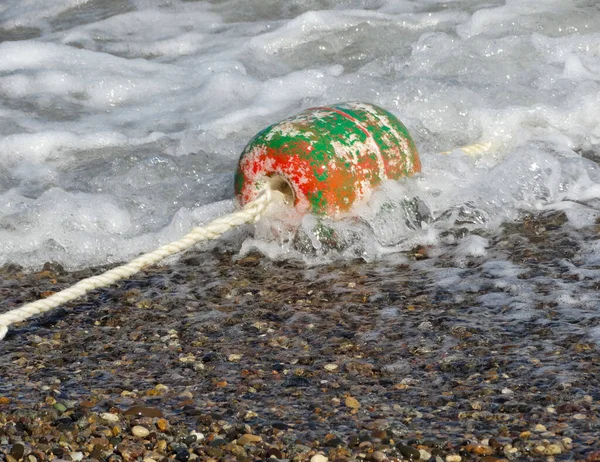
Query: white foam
{"x": 33, "y": 13}
{"x": 48, "y": 145}
{"x": 133, "y": 117}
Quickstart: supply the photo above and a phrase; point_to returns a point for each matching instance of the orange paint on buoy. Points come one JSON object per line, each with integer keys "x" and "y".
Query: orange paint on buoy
{"x": 326, "y": 159}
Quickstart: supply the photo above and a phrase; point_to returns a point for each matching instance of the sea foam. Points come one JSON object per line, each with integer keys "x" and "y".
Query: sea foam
{"x": 121, "y": 122}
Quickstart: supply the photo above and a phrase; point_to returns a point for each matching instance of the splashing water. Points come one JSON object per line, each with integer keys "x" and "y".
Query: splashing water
{"x": 121, "y": 122}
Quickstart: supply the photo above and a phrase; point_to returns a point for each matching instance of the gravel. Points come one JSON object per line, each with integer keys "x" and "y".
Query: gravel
{"x": 217, "y": 357}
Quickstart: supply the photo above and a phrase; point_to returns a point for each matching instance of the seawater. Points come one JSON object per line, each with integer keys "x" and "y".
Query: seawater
{"x": 121, "y": 121}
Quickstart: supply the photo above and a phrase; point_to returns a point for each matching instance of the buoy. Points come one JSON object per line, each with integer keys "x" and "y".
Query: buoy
{"x": 326, "y": 159}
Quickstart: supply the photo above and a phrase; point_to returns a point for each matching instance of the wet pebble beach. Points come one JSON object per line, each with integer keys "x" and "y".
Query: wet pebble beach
{"x": 222, "y": 357}
{"x": 451, "y": 316}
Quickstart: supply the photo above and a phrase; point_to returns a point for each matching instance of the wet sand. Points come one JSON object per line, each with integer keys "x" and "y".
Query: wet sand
{"x": 245, "y": 358}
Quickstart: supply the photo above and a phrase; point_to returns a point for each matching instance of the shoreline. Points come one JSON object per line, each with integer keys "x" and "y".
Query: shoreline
{"x": 358, "y": 361}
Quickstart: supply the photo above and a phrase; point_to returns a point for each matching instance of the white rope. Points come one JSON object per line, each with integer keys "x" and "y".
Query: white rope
{"x": 472, "y": 149}
{"x": 251, "y": 213}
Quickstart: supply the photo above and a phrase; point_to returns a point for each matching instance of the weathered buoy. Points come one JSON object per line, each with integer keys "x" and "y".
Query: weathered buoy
{"x": 326, "y": 159}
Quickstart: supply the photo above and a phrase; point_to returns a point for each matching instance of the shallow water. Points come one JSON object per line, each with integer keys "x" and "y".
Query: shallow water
{"x": 122, "y": 121}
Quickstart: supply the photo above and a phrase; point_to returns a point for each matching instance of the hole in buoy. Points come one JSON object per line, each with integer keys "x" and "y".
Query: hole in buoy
{"x": 281, "y": 184}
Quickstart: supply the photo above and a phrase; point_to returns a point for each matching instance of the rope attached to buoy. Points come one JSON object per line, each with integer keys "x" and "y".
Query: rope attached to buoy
{"x": 251, "y": 213}
{"x": 472, "y": 149}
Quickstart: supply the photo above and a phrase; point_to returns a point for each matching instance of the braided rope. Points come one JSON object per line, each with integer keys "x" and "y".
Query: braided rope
{"x": 251, "y": 213}
{"x": 472, "y": 149}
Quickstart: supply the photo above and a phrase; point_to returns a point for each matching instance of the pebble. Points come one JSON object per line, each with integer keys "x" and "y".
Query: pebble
{"x": 97, "y": 453}
{"x": 110, "y": 417}
{"x": 552, "y": 449}
{"x": 274, "y": 452}
{"x": 476, "y": 405}
{"x": 140, "y": 431}
{"x": 453, "y": 458}
{"x": 190, "y": 439}
{"x": 162, "y": 424}
{"x": 238, "y": 451}
{"x": 593, "y": 457}
{"x": 379, "y": 456}
{"x": 425, "y": 325}
{"x": 318, "y": 458}
{"x": 60, "y": 407}
{"x": 479, "y": 449}
{"x": 17, "y": 451}
{"x": 248, "y": 439}
{"x": 330, "y": 367}
{"x": 540, "y": 428}
{"x": 280, "y": 425}
{"x": 296, "y": 381}
{"x": 143, "y": 411}
{"x": 334, "y": 442}
{"x": 199, "y": 366}
{"x": 352, "y": 402}
{"x": 234, "y": 357}
{"x": 182, "y": 455}
{"x": 76, "y": 456}
{"x": 209, "y": 357}
{"x": 199, "y": 436}
{"x": 424, "y": 455}
{"x": 161, "y": 388}
{"x": 129, "y": 450}
{"x": 217, "y": 442}
{"x": 408, "y": 452}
